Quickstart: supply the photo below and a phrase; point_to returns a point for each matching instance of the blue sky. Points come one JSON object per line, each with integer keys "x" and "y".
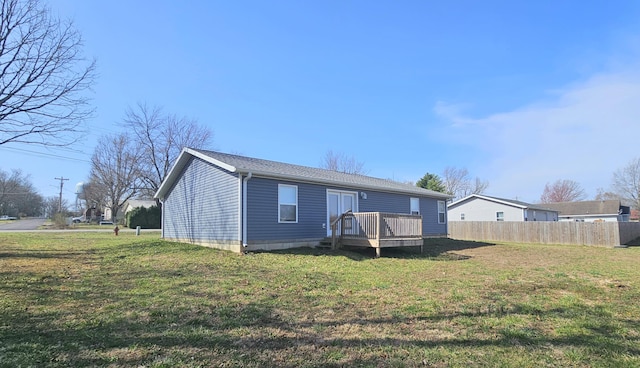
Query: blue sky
{"x": 520, "y": 93}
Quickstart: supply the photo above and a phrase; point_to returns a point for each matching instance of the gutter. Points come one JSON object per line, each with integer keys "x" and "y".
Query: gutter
{"x": 161, "y": 217}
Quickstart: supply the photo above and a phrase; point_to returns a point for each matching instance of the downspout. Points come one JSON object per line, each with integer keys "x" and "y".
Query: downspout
{"x": 161, "y": 217}
{"x": 240, "y": 208}
{"x": 244, "y": 210}
{"x": 446, "y": 218}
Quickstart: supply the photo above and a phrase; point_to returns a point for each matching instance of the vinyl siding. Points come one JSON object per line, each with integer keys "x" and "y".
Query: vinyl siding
{"x": 478, "y": 209}
{"x": 401, "y": 203}
{"x": 202, "y": 205}
{"x": 540, "y": 215}
{"x": 595, "y": 218}
{"x": 262, "y": 210}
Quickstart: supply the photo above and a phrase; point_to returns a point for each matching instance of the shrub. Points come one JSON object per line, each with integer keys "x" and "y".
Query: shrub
{"x": 146, "y": 218}
{"x": 59, "y": 221}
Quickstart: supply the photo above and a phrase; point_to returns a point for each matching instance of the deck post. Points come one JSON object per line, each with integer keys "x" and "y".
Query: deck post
{"x": 333, "y": 238}
{"x": 377, "y": 252}
{"x": 379, "y": 227}
{"x": 421, "y": 236}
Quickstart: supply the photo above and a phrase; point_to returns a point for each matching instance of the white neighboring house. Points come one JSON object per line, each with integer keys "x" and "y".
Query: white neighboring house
{"x": 478, "y": 207}
{"x": 592, "y": 211}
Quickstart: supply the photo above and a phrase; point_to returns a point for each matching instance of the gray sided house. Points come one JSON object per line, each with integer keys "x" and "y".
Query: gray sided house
{"x": 592, "y": 211}
{"x": 241, "y": 203}
{"x": 477, "y": 207}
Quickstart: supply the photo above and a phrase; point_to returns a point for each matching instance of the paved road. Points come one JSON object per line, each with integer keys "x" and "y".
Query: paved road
{"x": 24, "y": 224}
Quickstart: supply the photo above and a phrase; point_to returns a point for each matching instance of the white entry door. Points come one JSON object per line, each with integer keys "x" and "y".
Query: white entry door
{"x": 339, "y": 202}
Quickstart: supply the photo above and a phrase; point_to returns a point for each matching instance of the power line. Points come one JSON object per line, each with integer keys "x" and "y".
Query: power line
{"x": 43, "y": 154}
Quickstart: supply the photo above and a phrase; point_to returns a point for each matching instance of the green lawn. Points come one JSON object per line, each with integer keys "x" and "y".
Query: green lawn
{"x": 93, "y": 299}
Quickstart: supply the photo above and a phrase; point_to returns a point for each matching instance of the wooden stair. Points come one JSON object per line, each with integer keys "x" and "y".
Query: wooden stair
{"x": 325, "y": 243}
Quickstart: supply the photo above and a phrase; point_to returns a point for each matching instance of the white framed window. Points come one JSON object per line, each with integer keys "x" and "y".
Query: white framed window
{"x": 462, "y": 217}
{"x": 287, "y": 203}
{"x": 499, "y": 216}
{"x": 415, "y": 206}
{"x": 442, "y": 210}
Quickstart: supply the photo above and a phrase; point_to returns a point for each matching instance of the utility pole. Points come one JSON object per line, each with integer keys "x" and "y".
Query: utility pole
{"x": 62, "y": 179}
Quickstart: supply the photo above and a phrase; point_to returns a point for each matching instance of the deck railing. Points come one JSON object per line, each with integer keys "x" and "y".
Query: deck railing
{"x": 376, "y": 226}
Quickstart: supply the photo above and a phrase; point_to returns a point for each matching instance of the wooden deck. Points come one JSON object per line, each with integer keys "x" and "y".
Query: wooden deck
{"x": 377, "y": 230}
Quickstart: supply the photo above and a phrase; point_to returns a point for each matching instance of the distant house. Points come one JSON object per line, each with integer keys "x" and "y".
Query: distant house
{"x": 591, "y": 211}
{"x": 92, "y": 214}
{"x": 241, "y": 203}
{"x": 477, "y": 207}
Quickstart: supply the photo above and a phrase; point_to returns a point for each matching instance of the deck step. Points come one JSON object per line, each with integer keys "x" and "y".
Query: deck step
{"x": 324, "y": 243}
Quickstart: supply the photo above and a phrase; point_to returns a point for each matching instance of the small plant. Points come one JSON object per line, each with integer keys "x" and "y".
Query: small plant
{"x": 59, "y": 221}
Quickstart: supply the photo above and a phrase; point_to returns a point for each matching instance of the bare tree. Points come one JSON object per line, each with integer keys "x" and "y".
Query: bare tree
{"x": 626, "y": 183}
{"x": 42, "y": 76}
{"x": 456, "y": 181}
{"x": 162, "y": 138}
{"x": 562, "y": 191}
{"x": 603, "y": 195}
{"x": 342, "y": 163}
{"x": 115, "y": 170}
{"x": 93, "y": 194}
{"x": 478, "y": 186}
{"x": 51, "y": 206}
{"x": 18, "y": 196}
{"x": 459, "y": 184}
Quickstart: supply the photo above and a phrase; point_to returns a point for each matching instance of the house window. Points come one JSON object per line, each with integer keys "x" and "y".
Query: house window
{"x": 415, "y": 206}
{"x": 442, "y": 209}
{"x": 462, "y": 217}
{"x": 500, "y": 216}
{"x": 287, "y": 203}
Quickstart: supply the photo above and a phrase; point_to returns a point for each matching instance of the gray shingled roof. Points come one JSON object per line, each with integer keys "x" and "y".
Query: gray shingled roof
{"x": 280, "y": 170}
{"x": 541, "y": 207}
{"x": 513, "y": 202}
{"x": 608, "y": 207}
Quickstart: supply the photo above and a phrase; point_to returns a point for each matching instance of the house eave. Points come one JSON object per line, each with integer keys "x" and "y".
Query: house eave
{"x": 500, "y": 201}
{"x": 490, "y": 199}
{"x": 180, "y": 163}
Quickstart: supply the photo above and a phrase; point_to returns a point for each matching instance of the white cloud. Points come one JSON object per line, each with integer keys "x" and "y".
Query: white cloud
{"x": 582, "y": 132}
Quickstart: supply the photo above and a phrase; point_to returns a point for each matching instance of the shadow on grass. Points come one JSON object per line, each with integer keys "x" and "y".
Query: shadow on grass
{"x": 634, "y": 243}
{"x": 439, "y": 249}
{"x": 257, "y": 335}
{"x": 41, "y": 254}
{"x": 436, "y": 247}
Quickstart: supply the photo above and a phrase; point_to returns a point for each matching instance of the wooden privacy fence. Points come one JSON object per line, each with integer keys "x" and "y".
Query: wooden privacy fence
{"x": 546, "y": 232}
